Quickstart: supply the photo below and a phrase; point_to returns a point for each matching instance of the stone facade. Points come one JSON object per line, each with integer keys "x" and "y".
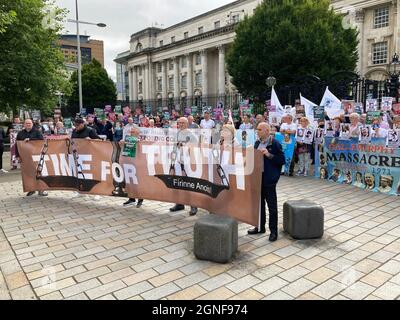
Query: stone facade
{"x": 186, "y": 61}
{"x": 378, "y": 23}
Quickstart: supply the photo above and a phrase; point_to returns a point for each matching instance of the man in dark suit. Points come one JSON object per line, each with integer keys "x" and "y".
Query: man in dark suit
{"x": 274, "y": 159}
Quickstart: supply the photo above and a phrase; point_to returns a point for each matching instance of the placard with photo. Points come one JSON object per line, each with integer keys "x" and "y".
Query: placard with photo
{"x": 274, "y": 118}
{"x": 308, "y": 136}
{"x": 372, "y": 105}
{"x": 365, "y": 135}
{"x": 330, "y": 128}
{"x": 344, "y": 131}
{"x": 386, "y": 104}
{"x": 300, "y": 133}
{"x": 393, "y": 138}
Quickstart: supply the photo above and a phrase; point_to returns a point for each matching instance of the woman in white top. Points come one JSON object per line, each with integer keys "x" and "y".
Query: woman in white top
{"x": 354, "y": 125}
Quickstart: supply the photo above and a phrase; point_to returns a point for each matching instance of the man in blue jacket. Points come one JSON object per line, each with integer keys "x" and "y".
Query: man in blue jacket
{"x": 274, "y": 159}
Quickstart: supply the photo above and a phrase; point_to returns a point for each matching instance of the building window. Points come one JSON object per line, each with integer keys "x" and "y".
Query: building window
{"x": 186, "y": 35}
{"x": 140, "y": 71}
{"x": 161, "y": 43}
{"x": 198, "y": 59}
{"x": 184, "y": 62}
{"x": 171, "y": 65}
{"x": 159, "y": 85}
{"x": 159, "y": 67}
{"x": 379, "y": 53}
{"x": 171, "y": 83}
{"x": 184, "y": 81}
{"x": 199, "y": 79}
{"x": 235, "y": 18}
{"x": 140, "y": 87}
{"x": 201, "y": 30}
{"x": 173, "y": 39}
{"x": 381, "y": 17}
{"x": 217, "y": 24}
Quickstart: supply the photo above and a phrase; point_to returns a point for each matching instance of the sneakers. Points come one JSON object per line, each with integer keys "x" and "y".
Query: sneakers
{"x": 299, "y": 173}
{"x": 128, "y": 203}
{"x": 30, "y": 193}
{"x": 3, "y": 171}
{"x": 43, "y": 193}
{"x": 305, "y": 174}
{"x": 139, "y": 204}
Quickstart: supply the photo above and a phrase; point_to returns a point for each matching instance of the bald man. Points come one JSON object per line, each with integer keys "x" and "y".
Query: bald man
{"x": 29, "y": 133}
{"x": 274, "y": 159}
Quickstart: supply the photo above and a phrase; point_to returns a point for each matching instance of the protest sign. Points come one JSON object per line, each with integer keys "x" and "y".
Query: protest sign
{"x": 288, "y": 143}
{"x": 231, "y": 185}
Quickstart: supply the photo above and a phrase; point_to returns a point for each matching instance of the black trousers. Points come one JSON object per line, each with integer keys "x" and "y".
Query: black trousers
{"x": 1, "y": 155}
{"x": 268, "y": 193}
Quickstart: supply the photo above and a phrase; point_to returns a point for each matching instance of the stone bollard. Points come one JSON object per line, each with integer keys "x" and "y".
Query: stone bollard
{"x": 215, "y": 238}
{"x": 303, "y": 219}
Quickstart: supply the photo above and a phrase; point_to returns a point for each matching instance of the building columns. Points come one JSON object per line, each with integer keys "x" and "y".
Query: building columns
{"x": 176, "y": 80}
{"x": 397, "y": 30}
{"x": 164, "y": 79}
{"x": 204, "y": 67}
{"x": 189, "y": 58}
{"x": 134, "y": 88}
{"x": 221, "y": 71}
{"x": 360, "y": 24}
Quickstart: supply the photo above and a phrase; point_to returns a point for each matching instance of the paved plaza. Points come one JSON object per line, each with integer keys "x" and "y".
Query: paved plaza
{"x": 59, "y": 247}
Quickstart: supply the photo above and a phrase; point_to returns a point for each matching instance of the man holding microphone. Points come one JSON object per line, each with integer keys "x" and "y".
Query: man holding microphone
{"x": 274, "y": 159}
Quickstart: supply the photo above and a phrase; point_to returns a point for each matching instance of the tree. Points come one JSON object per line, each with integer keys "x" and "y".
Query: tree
{"x": 290, "y": 38}
{"x": 31, "y": 65}
{"x": 98, "y": 89}
{"x": 6, "y": 18}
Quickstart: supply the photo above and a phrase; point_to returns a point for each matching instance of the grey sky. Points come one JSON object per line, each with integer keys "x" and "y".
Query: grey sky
{"x": 124, "y": 17}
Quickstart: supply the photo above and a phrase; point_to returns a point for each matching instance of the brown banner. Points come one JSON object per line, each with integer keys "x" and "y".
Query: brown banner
{"x": 230, "y": 187}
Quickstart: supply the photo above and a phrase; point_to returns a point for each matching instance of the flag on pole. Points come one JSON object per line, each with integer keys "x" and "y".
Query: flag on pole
{"x": 308, "y": 107}
{"x": 275, "y": 102}
{"x": 333, "y": 106}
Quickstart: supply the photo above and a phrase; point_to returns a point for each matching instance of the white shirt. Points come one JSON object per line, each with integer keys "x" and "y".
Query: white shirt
{"x": 204, "y": 124}
{"x": 382, "y": 133}
{"x": 291, "y": 127}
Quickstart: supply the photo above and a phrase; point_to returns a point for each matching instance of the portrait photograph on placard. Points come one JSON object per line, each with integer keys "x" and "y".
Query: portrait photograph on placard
{"x": 344, "y": 131}
{"x": 393, "y": 138}
{"x": 308, "y": 136}
{"x": 365, "y": 135}
{"x": 330, "y": 128}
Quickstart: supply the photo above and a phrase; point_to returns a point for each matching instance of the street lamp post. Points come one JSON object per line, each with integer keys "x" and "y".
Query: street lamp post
{"x": 271, "y": 80}
{"x": 394, "y": 73}
{"x": 78, "y": 40}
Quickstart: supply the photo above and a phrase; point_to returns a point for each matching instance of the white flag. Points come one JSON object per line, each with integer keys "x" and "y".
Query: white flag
{"x": 333, "y": 106}
{"x": 275, "y": 102}
{"x": 308, "y": 107}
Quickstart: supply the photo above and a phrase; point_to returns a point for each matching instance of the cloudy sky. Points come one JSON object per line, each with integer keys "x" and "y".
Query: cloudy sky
{"x": 125, "y": 17}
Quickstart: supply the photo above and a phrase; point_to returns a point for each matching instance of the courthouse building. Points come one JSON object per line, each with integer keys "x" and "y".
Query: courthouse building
{"x": 184, "y": 64}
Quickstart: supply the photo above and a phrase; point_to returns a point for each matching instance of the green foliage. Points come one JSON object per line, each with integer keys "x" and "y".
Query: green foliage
{"x": 290, "y": 38}
{"x": 31, "y": 65}
{"x": 98, "y": 89}
{"x": 6, "y": 18}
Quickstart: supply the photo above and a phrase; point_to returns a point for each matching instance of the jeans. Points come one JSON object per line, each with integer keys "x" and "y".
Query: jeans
{"x": 304, "y": 162}
{"x": 268, "y": 193}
